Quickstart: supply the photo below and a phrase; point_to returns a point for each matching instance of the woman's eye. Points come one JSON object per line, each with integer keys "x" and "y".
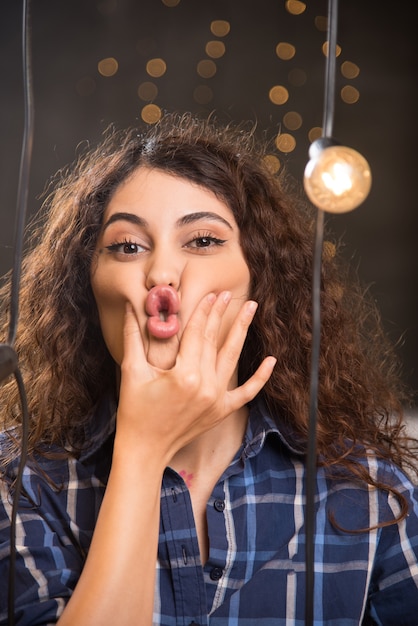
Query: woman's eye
{"x": 205, "y": 242}
{"x": 126, "y": 248}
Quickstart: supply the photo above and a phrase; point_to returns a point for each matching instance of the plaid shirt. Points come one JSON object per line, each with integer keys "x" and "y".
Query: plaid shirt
{"x": 255, "y": 574}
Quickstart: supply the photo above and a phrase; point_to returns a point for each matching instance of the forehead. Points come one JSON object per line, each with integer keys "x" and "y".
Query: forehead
{"x": 158, "y": 193}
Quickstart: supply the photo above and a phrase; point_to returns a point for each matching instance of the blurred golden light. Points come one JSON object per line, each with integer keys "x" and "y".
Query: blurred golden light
{"x": 215, "y": 49}
{"x": 278, "y": 94}
{"x": 285, "y": 142}
{"x": 295, "y": 7}
{"x": 325, "y": 49}
{"x": 86, "y": 86}
{"x": 206, "y": 68}
{"x": 151, "y": 113}
{"x": 292, "y": 120}
{"x": 108, "y": 67}
{"x": 350, "y": 70}
{"x": 272, "y": 163}
{"x": 202, "y": 94}
{"x": 297, "y": 77}
{"x": 220, "y": 28}
{"x": 171, "y": 3}
{"x": 156, "y": 67}
{"x": 321, "y": 23}
{"x": 147, "y": 91}
{"x": 285, "y": 51}
{"x": 349, "y": 94}
{"x": 314, "y": 133}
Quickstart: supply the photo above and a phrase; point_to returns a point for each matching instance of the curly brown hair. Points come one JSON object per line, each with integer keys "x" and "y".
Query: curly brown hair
{"x": 67, "y": 367}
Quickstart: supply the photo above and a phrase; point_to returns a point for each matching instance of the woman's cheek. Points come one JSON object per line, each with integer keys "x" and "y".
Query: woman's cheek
{"x": 112, "y": 317}
{"x": 111, "y": 301}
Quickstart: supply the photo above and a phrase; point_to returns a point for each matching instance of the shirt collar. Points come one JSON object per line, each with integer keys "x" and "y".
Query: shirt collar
{"x": 261, "y": 425}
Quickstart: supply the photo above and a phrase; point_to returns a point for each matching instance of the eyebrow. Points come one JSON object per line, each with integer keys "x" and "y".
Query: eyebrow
{"x": 126, "y": 217}
{"x": 202, "y": 215}
{"x": 190, "y": 218}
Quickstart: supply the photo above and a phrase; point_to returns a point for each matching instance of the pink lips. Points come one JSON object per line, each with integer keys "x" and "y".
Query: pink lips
{"x": 162, "y": 305}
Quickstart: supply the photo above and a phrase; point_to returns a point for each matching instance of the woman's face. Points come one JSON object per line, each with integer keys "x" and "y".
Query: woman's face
{"x": 161, "y": 230}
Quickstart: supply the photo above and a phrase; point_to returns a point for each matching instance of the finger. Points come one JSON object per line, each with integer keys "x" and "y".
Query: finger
{"x": 248, "y": 390}
{"x": 191, "y": 345}
{"x": 206, "y": 333}
{"x": 133, "y": 346}
{"x": 231, "y": 349}
{"x": 210, "y": 340}
{"x": 214, "y": 320}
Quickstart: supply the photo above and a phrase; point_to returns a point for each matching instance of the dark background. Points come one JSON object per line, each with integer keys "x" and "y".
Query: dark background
{"x": 74, "y": 103}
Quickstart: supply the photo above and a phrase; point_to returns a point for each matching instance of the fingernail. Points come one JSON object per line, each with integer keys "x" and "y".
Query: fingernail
{"x": 251, "y": 307}
{"x": 211, "y": 298}
{"x": 226, "y": 296}
{"x": 272, "y": 361}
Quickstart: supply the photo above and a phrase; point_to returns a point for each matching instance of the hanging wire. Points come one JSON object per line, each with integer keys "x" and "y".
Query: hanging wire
{"x": 24, "y": 174}
{"x": 311, "y": 459}
{"x": 8, "y": 357}
{"x": 330, "y": 70}
{"x": 16, "y": 496}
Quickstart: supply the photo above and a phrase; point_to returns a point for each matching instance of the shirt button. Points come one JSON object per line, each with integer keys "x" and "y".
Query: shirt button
{"x": 216, "y": 573}
{"x": 219, "y": 505}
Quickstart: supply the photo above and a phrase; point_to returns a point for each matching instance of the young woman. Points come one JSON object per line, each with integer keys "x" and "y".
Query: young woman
{"x": 165, "y": 335}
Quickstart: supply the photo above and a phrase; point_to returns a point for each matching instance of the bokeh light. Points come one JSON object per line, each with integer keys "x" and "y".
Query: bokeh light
{"x": 285, "y": 51}
{"x": 206, "y": 68}
{"x": 292, "y": 120}
{"x": 325, "y": 47}
{"x": 108, "y": 67}
{"x": 349, "y": 94}
{"x": 314, "y": 133}
{"x": 350, "y": 70}
{"x": 220, "y": 28}
{"x": 156, "y": 67}
{"x": 285, "y": 142}
{"x": 147, "y": 91}
{"x": 215, "y": 49}
{"x": 272, "y": 163}
{"x": 279, "y": 94}
{"x": 295, "y": 7}
{"x": 151, "y": 113}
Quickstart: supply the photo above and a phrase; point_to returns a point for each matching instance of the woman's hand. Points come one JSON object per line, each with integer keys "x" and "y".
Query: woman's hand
{"x": 167, "y": 409}
{"x": 159, "y": 412}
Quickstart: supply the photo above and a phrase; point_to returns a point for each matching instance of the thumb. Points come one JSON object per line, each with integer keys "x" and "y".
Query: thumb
{"x": 133, "y": 345}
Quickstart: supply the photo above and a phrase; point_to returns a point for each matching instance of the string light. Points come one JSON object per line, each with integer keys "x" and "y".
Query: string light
{"x": 337, "y": 178}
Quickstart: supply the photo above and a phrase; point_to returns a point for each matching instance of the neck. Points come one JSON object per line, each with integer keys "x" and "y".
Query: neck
{"x": 211, "y": 453}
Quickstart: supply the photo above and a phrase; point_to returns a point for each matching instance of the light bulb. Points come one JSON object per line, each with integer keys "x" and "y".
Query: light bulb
{"x": 337, "y": 179}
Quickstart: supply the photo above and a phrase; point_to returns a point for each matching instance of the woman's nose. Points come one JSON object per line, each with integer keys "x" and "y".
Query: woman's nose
{"x": 163, "y": 269}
